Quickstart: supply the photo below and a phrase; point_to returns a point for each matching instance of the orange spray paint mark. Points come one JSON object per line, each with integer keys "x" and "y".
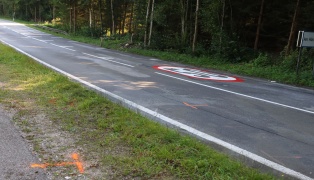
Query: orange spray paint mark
{"x": 76, "y": 162}
{"x": 194, "y": 106}
{"x": 39, "y": 165}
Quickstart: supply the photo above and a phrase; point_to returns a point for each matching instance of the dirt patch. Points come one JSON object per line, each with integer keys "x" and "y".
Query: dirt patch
{"x": 1, "y": 85}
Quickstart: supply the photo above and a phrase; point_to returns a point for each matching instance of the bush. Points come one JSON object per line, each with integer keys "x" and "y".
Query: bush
{"x": 263, "y": 60}
{"x": 289, "y": 62}
{"x": 230, "y": 49}
{"x": 89, "y": 32}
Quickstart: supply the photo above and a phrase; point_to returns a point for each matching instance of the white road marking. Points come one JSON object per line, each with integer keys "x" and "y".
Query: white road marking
{"x": 32, "y": 34}
{"x": 107, "y": 59}
{"x": 39, "y": 40}
{"x": 64, "y": 47}
{"x": 175, "y": 123}
{"x": 239, "y": 94}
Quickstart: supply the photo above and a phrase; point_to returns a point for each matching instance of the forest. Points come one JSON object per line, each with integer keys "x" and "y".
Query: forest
{"x": 233, "y": 29}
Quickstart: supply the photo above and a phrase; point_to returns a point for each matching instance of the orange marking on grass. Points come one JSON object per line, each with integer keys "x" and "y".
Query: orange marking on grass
{"x": 76, "y": 162}
{"x": 39, "y": 165}
{"x": 194, "y": 106}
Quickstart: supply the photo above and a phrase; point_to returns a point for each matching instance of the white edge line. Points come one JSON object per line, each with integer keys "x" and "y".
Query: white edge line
{"x": 239, "y": 94}
{"x": 108, "y": 60}
{"x": 191, "y": 130}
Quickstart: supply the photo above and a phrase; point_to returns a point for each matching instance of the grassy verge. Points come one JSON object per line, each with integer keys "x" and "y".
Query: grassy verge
{"x": 130, "y": 145}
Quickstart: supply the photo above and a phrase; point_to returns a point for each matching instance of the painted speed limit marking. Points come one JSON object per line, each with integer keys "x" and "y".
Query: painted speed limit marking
{"x": 198, "y": 74}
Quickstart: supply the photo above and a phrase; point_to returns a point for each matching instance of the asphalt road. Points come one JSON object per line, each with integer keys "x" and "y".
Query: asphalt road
{"x": 15, "y": 154}
{"x": 265, "y": 121}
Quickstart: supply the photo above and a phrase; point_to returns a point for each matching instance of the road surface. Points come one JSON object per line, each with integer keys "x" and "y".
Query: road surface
{"x": 15, "y": 154}
{"x": 262, "y": 120}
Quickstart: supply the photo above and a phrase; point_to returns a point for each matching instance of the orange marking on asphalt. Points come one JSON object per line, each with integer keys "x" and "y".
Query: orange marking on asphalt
{"x": 194, "y": 106}
{"x": 76, "y": 162}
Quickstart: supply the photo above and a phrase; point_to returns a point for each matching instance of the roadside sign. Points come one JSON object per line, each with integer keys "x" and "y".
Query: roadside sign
{"x": 305, "y": 39}
{"x": 198, "y": 74}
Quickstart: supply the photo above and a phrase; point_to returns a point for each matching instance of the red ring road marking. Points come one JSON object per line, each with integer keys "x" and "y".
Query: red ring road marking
{"x": 198, "y": 74}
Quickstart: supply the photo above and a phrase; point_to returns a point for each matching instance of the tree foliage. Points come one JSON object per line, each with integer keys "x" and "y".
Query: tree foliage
{"x": 228, "y": 28}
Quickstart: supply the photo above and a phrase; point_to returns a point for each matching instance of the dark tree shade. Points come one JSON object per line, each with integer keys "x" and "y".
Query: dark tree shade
{"x": 216, "y": 26}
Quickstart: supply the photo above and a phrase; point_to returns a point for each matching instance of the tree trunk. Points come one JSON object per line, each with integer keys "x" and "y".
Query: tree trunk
{"x": 13, "y": 15}
{"x": 101, "y": 23}
{"x": 151, "y": 23}
{"x": 54, "y": 12}
{"x": 146, "y": 23}
{"x": 124, "y": 16}
{"x": 131, "y": 19}
{"x": 195, "y": 26}
{"x": 112, "y": 18}
{"x": 231, "y": 16}
{"x": 71, "y": 18}
{"x": 293, "y": 27}
{"x": 222, "y": 24}
{"x": 259, "y": 25}
{"x": 120, "y": 27}
{"x": 26, "y": 10}
{"x": 94, "y": 19}
{"x": 39, "y": 12}
{"x": 90, "y": 18}
{"x": 35, "y": 14}
{"x": 184, "y": 14}
{"x": 74, "y": 20}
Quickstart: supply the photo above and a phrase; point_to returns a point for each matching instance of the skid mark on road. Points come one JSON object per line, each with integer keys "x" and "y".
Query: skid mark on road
{"x": 195, "y": 105}
{"x": 108, "y": 59}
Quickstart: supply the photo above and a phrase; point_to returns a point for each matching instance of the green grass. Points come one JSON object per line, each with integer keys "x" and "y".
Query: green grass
{"x": 130, "y": 144}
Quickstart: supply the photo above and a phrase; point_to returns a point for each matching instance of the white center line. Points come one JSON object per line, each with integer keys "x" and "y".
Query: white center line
{"x": 107, "y": 59}
{"x": 39, "y": 40}
{"x": 239, "y": 94}
{"x": 62, "y": 47}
